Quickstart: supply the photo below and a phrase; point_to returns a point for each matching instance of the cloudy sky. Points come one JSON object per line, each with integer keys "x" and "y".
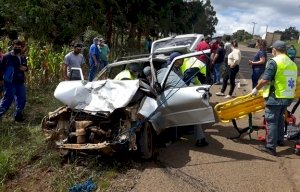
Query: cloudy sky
{"x": 267, "y": 14}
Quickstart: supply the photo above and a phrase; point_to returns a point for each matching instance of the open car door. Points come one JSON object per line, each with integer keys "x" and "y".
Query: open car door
{"x": 179, "y": 105}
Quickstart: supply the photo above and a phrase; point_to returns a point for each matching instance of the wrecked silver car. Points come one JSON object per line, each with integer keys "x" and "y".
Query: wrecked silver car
{"x": 109, "y": 114}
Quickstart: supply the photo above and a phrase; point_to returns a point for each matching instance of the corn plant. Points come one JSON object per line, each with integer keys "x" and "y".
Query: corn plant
{"x": 4, "y": 44}
{"x": 44, "y": 64}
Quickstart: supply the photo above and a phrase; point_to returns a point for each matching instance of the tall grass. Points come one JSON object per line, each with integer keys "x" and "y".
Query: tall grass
{"x": 23, "y": 148}
{"x": 45, "y": 64}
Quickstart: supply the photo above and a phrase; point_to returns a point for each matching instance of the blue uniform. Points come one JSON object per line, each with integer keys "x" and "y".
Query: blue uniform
{"x": 13, "y": 83}
{"x": 94, "y": 68}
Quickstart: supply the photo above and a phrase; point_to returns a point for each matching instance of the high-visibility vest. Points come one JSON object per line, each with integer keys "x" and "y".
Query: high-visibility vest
{"x": 125, "y": 75}
{"x": 193, "y": 62}
{"x": 285, "y": 78}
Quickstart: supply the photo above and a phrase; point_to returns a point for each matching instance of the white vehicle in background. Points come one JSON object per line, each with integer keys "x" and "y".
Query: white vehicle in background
{"x": 110, "y": 115}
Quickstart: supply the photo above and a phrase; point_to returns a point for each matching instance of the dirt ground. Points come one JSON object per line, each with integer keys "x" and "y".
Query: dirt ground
{"x": 225, "y": 165}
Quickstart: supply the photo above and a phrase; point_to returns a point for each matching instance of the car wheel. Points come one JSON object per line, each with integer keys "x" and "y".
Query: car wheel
{"x": 145, "y": 144}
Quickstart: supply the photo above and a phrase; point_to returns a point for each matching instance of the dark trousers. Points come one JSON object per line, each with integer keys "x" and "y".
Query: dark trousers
{"x": 230, "y": 74}
{"x": 256, "y": 73}
{"x": 275, "y": 124}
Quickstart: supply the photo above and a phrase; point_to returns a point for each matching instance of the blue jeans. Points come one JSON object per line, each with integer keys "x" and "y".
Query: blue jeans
{"x": 13, "y": 91}
{"x": 256, "y": 73}
{"x": 94, "y": 69}
{"x": 217, "y": 76}
{"x": 275, "y": 124}
{"x": 104, "y": 63}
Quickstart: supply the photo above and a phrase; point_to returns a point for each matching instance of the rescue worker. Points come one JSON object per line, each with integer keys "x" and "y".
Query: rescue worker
{"x": 194, "y": 71}
{"x": 129, "y": 74}
{"x": 279, "y": 85}
{"x": 185, "y": 64}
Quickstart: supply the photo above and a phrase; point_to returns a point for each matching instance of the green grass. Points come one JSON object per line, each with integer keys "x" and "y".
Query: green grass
{"x": 24, "y": 150}
{"x": 21, "y": 143}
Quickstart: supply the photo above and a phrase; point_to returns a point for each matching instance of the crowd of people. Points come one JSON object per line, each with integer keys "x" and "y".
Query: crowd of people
{"x": 276, "y": 78}
{"x": 97, "y": 58}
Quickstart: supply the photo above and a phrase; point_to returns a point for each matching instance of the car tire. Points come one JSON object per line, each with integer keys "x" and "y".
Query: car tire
{"x": 145, "y": 142}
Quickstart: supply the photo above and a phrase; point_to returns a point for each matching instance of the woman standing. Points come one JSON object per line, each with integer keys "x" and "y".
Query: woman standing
{"x": 234, "y": 59}
{"x": 292, "y": 52}
{"x": 259, "y": 62}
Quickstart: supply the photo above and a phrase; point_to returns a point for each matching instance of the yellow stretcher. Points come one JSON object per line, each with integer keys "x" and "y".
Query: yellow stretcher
{"x": 244, "y": 106}
{"x": 238, "y": 108}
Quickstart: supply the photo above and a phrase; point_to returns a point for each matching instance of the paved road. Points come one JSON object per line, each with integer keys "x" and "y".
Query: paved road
{"x": 224, "y": 165}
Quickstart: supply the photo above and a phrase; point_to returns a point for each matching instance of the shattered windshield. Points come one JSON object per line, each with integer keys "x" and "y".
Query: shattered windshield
{"x": 175, "y": 42}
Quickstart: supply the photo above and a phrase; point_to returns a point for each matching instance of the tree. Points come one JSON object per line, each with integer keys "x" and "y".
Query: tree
{"x": 241, "y": 35}
{"x": 62, "y": 21}
{"x": 290, "y": 33}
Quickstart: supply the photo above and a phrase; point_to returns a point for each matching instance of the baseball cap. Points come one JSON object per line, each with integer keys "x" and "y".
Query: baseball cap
{"x": 134, "y": 67}
{"x": 280, "y": 45}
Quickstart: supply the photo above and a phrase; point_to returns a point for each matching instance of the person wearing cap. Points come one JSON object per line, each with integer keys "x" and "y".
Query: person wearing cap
{"x": 73, "y": 59}
{"x": 94, "y": 59}
{"x": 177, "y": 63}
{"x": 131, "y": 73}
{"x": 278, "y": 83}
{"x": 176, "y": 80}
{"x": 104, "y": 52}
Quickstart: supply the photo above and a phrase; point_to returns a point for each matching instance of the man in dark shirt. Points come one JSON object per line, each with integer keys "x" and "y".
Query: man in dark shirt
{"x": 13, "y": 66}
{"x": 217, "y": 62}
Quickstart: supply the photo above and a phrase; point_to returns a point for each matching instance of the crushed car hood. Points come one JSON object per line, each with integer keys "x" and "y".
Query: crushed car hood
{"x": 96, "y": 96}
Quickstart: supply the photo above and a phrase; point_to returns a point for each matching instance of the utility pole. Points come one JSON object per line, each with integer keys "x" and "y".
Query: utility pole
{"x": 266, "y": 29}
{"x": 254, "y": 23}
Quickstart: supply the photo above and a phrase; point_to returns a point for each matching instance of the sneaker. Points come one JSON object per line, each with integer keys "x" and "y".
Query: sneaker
{"x": 19, "y": 119}
{"x": 267, "y": 150}
{"x": 218, "y": 83}
{"x": 228, "y": 97}
{"x": 201, "y": 143}
{"x": 220, "y": 94}
{"x": 280, "y": 143}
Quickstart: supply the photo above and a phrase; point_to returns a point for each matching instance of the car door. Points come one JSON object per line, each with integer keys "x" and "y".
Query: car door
{"x": 178, "y": 104}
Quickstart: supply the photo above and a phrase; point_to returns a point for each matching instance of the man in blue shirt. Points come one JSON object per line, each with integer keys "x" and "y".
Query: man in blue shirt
{"x": 13, "y": 66}
{"x": 94, "y": 59}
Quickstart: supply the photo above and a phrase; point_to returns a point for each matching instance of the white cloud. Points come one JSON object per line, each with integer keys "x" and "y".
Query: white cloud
{"x": 271, "y": 15}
